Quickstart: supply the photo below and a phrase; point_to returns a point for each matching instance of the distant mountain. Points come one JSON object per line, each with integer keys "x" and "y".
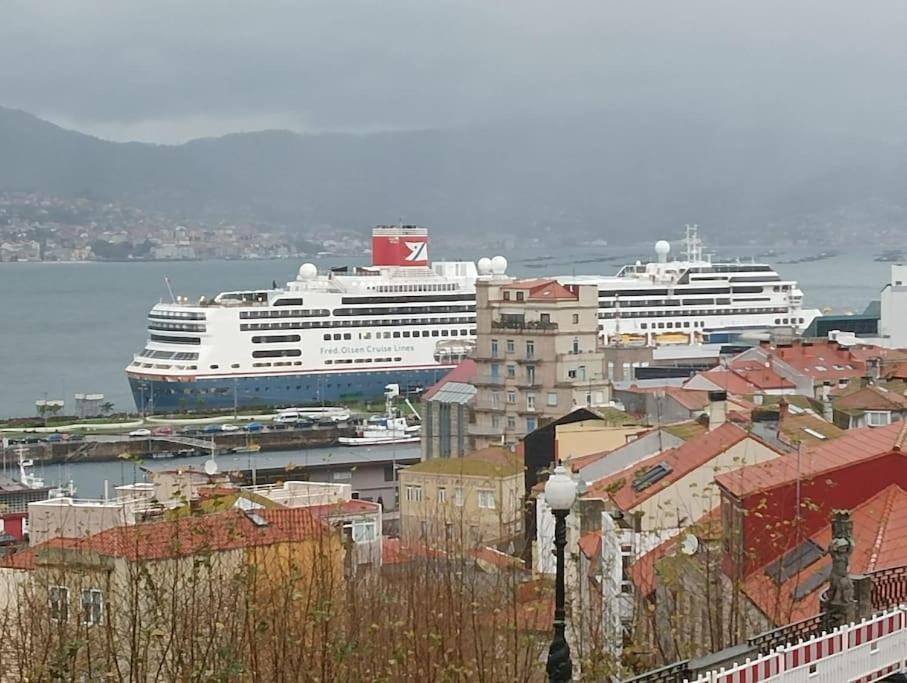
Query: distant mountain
{"x": 615, "y": 175}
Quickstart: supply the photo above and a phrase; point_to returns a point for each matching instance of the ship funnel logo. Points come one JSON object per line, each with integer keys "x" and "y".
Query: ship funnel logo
{"x": 418, "y": 251}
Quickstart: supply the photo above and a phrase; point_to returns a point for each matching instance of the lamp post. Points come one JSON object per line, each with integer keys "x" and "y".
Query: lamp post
{"x": 560, "y": 492}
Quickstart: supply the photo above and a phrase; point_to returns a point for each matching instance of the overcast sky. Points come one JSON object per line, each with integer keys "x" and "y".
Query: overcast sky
{"x": 170, "y": 70}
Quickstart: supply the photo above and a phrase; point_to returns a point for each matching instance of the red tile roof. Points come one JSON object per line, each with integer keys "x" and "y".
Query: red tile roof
{"x": 691, "y": 399}
{"x": 880, "y": 536}
{"x": 465, "y": 372}
{"x": 684, "y": 459}
{"x": 346, "y": 507}
{"x": 497, "y": 559}
{"x": 872, "y": 398}
{"x": 543, "y": 290}
{"x": 729, "y": 381}
{"x": 393, "y": 551}
{"x": 189, "y": 535}
{"x": 854, "y": 446}
{"x": 590, "y": 544}
{"x": 826, "y": 360}
{"x": 760, "y": 376}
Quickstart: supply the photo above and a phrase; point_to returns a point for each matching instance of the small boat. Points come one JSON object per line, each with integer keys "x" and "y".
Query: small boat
{"x": 163, "y": 455}
{"x": 391, "y": 429}
{"x": 251, "y": 448}
{"x": 890, "y": 256}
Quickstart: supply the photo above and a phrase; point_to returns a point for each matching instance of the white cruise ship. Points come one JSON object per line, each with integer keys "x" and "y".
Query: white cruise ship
{"x": 348, "y": 333}
{"x": 693, "y": 299}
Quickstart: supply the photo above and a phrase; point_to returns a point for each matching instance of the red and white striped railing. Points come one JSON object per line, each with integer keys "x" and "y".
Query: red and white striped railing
{"x": 856, "y": 653}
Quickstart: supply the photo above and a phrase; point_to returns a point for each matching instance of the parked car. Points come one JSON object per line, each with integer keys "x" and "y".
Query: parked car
{"x": 56, "y": 437}
{"x": 163, "y": 431}
{"x": 140, "y": 432}
{"x": 212, "y": 429}
{"x": 229, "y": 427}
{"x": 254, "y": 427}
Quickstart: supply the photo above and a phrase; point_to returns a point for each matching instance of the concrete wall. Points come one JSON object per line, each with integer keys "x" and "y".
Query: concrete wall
{"x": 590, "y": 436}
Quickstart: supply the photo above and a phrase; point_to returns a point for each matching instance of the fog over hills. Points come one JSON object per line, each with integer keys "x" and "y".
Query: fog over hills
{"x": 619, "y": 175}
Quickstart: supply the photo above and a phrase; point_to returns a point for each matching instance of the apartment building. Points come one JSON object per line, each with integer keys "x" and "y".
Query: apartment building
{"x": 469, "y": 501}
{"x": 537, "y": 356}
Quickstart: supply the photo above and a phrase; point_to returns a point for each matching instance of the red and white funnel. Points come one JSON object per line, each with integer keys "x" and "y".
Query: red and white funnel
{"x": 401, "y": 245}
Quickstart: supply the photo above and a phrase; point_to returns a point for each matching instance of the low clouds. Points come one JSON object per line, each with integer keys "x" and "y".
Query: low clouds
{"x": 169, "y": 70}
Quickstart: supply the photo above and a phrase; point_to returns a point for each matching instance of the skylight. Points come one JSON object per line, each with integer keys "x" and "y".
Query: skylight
{"x": 652, "y": 476}
{"x": 814, "y": 433}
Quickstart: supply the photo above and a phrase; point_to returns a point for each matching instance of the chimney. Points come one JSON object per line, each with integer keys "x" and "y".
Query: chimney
{"x": 783, "y": 409}
{"x": 827, "y": 412}
{"x": 717, "y": 408}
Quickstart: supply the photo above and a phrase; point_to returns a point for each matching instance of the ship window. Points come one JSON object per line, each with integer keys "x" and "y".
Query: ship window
{"x": 276, "y": 353}
{"x": 643, "y": 326}
{"x": 434, "y": 333}
{"x": 336, "y": 337}
{"x": 327, "y": 337}
{"x": 214, "y": 367}
{"x": 234, "y": 365}
{"x": 396, "y": 335}
{"x": 347, "y": 336}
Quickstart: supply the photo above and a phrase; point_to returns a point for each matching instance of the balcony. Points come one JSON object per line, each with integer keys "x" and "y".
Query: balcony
{"x": 487, "y": 381}
{"x": 485, "y": 430}
{"x": 534, "y": 326}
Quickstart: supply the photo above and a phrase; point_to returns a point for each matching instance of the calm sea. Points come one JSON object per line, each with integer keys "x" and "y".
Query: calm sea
{"x": 72, "y": 328}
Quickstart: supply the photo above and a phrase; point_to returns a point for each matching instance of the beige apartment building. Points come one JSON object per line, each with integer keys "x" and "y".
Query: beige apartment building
{"x": 463, "y": 502}
{"x": 537, "y": 356}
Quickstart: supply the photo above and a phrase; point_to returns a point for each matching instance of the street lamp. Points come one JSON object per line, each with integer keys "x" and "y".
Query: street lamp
{"x": 560, "y": 492}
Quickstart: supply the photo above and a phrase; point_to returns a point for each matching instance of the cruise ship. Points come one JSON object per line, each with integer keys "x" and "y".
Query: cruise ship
{"x": 347, "y": 333}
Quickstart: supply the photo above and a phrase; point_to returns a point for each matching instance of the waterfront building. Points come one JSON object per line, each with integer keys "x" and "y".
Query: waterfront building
{"x": 537, "y": 356}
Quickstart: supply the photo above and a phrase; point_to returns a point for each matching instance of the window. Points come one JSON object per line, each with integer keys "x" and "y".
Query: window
{"x": 58, "y": 600}
{"x": 531, "y": 424}
{"x": 552, "y": 398}
{"x": 414, "y": 494}
{"x": 486, "y": 500}
{"x": 511, "y": 422}
{"x": 576, "y": 318}
{"x": 458, "y": 497}
{"x": 494, "y": 348}
{"x": 530, "y": 401}
{"x": 92, "y": 606}
{"x": 575, "y": 345}
{"x": 530, "y": 349}
{"x": 510, "y": 346}
{"x": 495, "y": 422}
{"x": 442, "y": 495}
{"x": 878, "y": 418}
{"x": 511, "y": 397}
{"x": 520, "y": 296}
{"x": 495, "y": 398}
{"x": 511, "y": 370}
{"x": 545, "y": 318}
{"x": 364, "y": 532}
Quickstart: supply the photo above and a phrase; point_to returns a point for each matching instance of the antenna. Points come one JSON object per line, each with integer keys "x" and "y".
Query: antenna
{"x": 169, "y": 289}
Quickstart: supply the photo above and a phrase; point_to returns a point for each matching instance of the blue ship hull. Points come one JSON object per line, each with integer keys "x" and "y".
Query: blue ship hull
{"x": 158, "y": 396}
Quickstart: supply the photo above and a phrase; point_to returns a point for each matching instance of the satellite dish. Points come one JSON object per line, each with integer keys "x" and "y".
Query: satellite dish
{"x": 210, "y": 466}
{"x": 689, "y": 545}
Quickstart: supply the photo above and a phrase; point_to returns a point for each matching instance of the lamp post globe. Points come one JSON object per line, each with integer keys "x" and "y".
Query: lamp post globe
{"x": 560, "y": 494}
{"x": 560, "y": 489}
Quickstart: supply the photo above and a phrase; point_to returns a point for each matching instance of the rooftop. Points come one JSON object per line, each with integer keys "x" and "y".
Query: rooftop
{"x": 872, "y": 397}
{"x": 696, "y": 452}
{"x": 486, "y": 462}
{"x": 187, "y": 536}
{"x": 880, "y": 535}
{"x": 462, "y": 374}
{"x": 854, "y": 446}
{"x": 542, "y": 290}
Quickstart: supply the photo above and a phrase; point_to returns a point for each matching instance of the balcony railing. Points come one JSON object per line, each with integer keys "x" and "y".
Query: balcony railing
{"x": 488, "y": 380}
{"x": 528, "y": 325}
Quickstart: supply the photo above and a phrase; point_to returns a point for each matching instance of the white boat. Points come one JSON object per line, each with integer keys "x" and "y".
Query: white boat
{"x": 391, "y": 429}
{"x": 28, "y": 479}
